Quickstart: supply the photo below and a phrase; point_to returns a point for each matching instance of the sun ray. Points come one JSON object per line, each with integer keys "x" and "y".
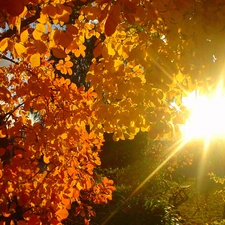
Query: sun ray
{"x": 206, "y": 122}
{"x": 174, "y": 149}
{"x": 207, "y": 116}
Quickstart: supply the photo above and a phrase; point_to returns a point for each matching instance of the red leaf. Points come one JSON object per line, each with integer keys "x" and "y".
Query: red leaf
{"x": 130, "y": 17}
{"x": 34, "y": 220}
{"x": 58, "y": 53}
{"x": 103, "y": 14}
{"x": 130, "y": 7}
{"x": 112, "y": 20}
{"x": 2, "y": 151}
{"x": 104, "y": 1}
{"x": 12, "y": 7}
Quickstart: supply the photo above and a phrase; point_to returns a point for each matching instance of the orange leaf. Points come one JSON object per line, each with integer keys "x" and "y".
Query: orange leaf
{"x": 62, "y": 214}
{"x": 80, "y": 51}
{"x": 66, "y": 201}
{"x": 6, "y": 213}
{"x": 35, "y": 60}
{"x": 76, "y": 193}
{"x": 71, "y": 171}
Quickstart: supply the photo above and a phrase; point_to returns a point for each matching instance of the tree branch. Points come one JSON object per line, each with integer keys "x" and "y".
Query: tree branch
{"x": 24, "y": 23}
{"x": 9, "y": 33}
{"x": 6, "y": 58}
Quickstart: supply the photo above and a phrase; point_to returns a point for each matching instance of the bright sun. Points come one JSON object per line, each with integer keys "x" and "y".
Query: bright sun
{"x": 207, "y": 119}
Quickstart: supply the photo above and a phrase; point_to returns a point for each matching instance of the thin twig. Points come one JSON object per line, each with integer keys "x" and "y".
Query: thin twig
{"x": 11, "y": 60}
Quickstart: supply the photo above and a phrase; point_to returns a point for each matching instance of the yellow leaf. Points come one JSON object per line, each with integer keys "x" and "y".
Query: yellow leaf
{"x": 20, "y": 49}
{"x": 79, "y": 186}
{"x": 40, "y": 28}
{"x": 111, "y": 50}
{"x": 3, "y": 44}
{"x": 118, "y": 63}
{"x": 39, "y": 31}
{"x": 37, "y": 35}
{"x": 43, "y": 18}
{"x": 35, "y": 60}
{"x": 24, "y": 36}
{"x": 64, "y": 136}
{"x": 46, "y": 159}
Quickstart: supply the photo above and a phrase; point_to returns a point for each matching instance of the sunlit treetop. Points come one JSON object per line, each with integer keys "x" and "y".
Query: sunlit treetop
{"x": 143, "y": 53}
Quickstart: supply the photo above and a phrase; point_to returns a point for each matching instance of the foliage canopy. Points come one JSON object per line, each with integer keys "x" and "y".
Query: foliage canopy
{"x": 88, "y": 68}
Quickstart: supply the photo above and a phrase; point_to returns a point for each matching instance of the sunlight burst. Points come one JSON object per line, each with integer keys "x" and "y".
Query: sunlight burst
{"x": 207, "y": 118}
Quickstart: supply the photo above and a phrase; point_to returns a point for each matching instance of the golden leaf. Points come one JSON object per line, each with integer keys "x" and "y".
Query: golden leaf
{"x": 39, "y": 31}
{"x": 79, "y": 186}
{"x": 20, "y": 49}
{"x": 64, "y": 136}
{"x": 4, "y": 44}
{"x": 46, "y": 159}
{"x": 24, "y": 36}
{"x": 35, "y": 60}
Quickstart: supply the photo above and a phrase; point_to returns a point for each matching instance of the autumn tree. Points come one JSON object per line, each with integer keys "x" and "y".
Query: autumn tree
{"x": 89, "y": 68}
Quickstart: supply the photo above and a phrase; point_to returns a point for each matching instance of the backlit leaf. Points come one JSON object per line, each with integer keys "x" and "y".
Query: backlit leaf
{"x": 35, "y": 60}
{"x": 62, "y": 214}
{"x": 46, "y": 159}
{"x": 4, "y": 44}
{"x": 20, "y": 49}
{"x": 24, "y": 36}
{"x": 64, "y": 136}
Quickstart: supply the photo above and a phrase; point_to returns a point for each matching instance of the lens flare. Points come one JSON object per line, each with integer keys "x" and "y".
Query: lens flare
{"x": 207, "y": 119}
